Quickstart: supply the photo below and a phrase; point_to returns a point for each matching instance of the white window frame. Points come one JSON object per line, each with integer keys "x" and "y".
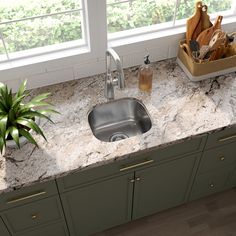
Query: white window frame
{"x": 78, "y": 62}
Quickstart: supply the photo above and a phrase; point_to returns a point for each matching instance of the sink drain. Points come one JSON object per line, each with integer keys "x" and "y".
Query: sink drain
{"x": 118, "y": 136}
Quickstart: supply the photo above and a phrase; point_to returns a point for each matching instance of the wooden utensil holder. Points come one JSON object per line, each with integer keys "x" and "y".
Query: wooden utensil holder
{"x": 199, "y": 71}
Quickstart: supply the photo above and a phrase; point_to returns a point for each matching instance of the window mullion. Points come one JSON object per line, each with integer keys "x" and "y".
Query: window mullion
{"x": 4, "y": 45}
{"x": 176, "y": 9}
{"x": 234, "y": 7}
{"x": 97, "y": 26}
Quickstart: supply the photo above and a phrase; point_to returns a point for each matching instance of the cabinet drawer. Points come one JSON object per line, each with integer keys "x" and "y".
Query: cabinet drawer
{"x": 210, "y": 183}
{"x": 218, "y": 157}
{"x": 27, "y": 194}
{"x": 143, "y": 159}
{"x": 33, "y": 214}
{"x": 58, "y": 229}
{"x": 222, "y": 137}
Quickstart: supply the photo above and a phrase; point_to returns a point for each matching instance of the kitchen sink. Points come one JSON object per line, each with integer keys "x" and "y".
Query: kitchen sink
{"x": 119, "y": 119}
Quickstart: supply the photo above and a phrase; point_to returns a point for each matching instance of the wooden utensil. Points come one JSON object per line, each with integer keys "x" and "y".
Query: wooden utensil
{"x": 218, "y": 45}
{"x": 192, "y": 23}
{"x": 205, "y": 36}
{"x": 204, "y": 22}
{"x": 205, "y": 19}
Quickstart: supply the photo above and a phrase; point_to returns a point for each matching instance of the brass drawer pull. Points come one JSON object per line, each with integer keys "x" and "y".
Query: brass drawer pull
{"x": 34, "y": 216}
{"x": 136, "y": 165}
{"x": 212, "y": 185}
{"x": 222, "y": 158}
{"x": 26, "y": 197}
{"x": 227, "y": 138}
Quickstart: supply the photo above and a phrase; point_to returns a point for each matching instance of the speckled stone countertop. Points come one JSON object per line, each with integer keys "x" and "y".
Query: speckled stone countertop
{"x": 179, "y": 109}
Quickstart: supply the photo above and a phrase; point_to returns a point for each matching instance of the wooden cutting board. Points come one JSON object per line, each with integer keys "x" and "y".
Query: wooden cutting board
{"x": 204, "y": 22}
{"x": 205, "y": 19}
{"x": 193, "y": 22}
{"x": 205, "y": 36}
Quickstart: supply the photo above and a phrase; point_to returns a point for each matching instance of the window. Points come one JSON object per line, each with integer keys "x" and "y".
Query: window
{"x": 126, "y": 15}
{"x": 36, "y": 26}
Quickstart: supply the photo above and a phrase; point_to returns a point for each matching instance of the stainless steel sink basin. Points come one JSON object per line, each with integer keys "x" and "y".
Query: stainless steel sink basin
{"x": 119, "y": 119}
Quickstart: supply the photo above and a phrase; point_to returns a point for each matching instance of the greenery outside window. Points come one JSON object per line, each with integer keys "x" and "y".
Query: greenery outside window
{"x": 130, "y": 15}
{"x": 31, "y": 26}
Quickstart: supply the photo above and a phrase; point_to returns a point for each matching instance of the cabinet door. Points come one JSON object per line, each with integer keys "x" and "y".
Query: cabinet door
{"x": 3, "y": 229}
{"x": 163, "y": 186}
{"x": 209, "y": 183}
{"x": 99, "y": 206}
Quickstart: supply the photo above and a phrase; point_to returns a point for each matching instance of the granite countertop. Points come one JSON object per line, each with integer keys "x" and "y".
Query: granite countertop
{"x": 179, "y": 109}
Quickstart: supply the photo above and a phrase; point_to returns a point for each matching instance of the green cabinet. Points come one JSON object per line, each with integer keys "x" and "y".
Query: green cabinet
{"x": 102, "y": 197}
{"x": 96, "y": 206}
{"x": 33, "y": 211}
{"x": 99, "y": 206}
{"x": 162, "y": 186}
{"x": 3, "y": 229}
{"x": 31, "y": 215}
{"x": 217, "y": 167}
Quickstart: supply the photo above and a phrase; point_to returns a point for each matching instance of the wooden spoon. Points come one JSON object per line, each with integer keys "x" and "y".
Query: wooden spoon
{"x": 205, "y": 36}
{"x": 192, "y": 23}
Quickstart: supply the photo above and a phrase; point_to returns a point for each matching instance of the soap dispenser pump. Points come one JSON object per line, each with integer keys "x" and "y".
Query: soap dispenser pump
{"x": 145, "y": 75}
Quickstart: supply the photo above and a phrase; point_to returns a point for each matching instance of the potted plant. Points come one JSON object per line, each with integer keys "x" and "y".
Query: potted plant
{"x": 18, "y": 119}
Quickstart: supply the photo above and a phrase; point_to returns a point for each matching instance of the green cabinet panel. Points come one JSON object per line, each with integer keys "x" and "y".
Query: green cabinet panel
{"x": 211, "y": 182}
{"x": 3, "y": 229}
{"x": 99, "y": 206}
{"x": 218, "y": 158}
{"x": 33, "y": 214}
{"x": 58, "y": 229}
{"x": 232, "y": 179}
{"x": 162, "y": 186}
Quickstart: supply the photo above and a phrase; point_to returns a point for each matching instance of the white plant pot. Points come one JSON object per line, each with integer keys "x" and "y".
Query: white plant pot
{"x": 22, "y": 139}
{"x": 12, "y": 144}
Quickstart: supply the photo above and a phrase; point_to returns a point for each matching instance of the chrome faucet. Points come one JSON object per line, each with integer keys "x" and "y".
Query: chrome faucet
{"x": 110, "y": 82}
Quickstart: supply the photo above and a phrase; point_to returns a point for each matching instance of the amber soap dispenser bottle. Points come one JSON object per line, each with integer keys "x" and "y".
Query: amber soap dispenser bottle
{"x": 145, "y": 76}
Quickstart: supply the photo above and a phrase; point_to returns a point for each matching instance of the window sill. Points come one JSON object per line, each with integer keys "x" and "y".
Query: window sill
{"x": 121, "y": 39}
{"x": 27, "y": 61}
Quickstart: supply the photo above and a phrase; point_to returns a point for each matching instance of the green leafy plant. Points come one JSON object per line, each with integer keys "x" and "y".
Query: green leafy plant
{"x": 18, "y": 118}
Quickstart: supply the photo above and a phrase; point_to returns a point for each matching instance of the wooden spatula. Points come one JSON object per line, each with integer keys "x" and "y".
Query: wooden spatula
{"x": 205, "y": 36}
{"x": 192, "y": 23}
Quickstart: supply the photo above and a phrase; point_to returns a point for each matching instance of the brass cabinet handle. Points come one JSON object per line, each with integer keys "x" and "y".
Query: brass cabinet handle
{"x": 26, "y": 197}
{"x": 136, "y": 165}
{"x": 133, "y": 180}
{"x": 227, "y": 138}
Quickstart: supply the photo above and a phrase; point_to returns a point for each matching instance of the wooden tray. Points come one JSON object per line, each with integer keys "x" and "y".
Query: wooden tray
{"x": 200, "y": 71}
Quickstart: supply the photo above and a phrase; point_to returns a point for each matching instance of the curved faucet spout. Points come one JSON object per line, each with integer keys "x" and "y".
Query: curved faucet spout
{"x": 111, "y": 82}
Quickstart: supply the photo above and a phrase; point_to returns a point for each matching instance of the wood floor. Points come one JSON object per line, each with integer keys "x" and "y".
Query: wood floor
{"x": 211, "y": 216}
